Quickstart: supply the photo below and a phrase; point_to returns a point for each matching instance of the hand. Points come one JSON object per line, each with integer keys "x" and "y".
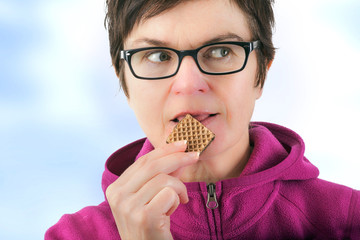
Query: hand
{"x": 149, "y": 191}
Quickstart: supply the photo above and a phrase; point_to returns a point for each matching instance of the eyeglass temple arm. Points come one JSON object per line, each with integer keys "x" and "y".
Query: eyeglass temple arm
{"x": 255, "y": 44}
{"x": 124, "y": 54}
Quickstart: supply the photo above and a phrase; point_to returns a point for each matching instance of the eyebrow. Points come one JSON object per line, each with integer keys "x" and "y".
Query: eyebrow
{"x": 224, "y": 37}
{"x": 149, "y": 41}
{"x": 219, "y": 38}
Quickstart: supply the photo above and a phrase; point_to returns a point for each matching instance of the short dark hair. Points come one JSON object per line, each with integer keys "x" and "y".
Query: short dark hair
{"x": 123, "y": 15}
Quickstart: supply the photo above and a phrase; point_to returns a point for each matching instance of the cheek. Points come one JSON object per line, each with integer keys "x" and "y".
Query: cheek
{"x": 240, "y": 97}
{"x": 137, "y": 97}
{"x": 240, "y": 107}
{"x": 137, "y": 91}
{"x": 147, "y": 102}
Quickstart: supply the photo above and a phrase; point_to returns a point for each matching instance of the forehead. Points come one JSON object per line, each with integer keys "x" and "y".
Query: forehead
{"x": 190, "y": 24}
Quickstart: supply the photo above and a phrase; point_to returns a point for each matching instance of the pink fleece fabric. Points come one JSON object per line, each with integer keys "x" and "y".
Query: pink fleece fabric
{"x": 277, "y": 196}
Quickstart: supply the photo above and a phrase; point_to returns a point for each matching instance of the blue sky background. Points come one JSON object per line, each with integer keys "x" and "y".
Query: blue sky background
{"x": 62, "y": 114}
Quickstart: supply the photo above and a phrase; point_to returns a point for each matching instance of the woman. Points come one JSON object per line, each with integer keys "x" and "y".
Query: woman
{"x": 208, "y": 59}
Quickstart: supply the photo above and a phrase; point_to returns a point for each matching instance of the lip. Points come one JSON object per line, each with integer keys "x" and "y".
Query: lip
{"x": 198, "y": 115}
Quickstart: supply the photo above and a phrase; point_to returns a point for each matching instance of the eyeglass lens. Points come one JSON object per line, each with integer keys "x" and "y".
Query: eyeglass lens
{"x": 217, "y": 58}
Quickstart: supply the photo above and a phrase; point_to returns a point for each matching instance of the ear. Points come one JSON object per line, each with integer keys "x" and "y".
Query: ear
{"x": 129, "y": 102}
{"x": 269, "y": 64}
{"x": 259, "y": 92}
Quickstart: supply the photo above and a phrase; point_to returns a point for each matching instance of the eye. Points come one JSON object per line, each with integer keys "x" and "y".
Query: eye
{"x": 159, "y": 56}
{"x": 219, "y": 52}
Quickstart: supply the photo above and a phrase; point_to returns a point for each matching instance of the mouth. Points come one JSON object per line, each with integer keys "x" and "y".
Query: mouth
{"x": 201, "y": 117}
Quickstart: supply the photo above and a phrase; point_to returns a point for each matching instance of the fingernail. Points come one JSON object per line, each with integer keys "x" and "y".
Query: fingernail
{"x": 194, "y": 155}
{"x": 180, "y": 143}
{"x": 186, "y": 199}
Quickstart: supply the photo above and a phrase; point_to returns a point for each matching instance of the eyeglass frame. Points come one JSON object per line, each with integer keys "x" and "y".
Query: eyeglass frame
{"x": 248, "y": 47}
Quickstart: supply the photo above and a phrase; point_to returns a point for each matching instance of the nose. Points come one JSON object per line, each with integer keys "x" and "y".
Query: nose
{"x": 189, "y": 79}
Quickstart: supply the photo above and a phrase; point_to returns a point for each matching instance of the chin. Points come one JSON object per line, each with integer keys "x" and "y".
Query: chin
{"x": 211, "y": 151}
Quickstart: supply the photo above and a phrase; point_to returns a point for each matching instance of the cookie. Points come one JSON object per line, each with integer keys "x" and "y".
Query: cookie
{"x": 197, "y": 135}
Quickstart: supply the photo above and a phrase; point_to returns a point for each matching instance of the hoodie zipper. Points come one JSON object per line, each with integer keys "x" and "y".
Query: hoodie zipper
{"x": 212, "y": 202}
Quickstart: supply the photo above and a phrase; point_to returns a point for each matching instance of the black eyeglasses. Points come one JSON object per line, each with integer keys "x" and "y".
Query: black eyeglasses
{"x": 220, "y": 58}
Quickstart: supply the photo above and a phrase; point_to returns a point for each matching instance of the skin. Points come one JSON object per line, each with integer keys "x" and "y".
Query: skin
{"x": 145, "y": 195}
{"x": 232, "y": 96}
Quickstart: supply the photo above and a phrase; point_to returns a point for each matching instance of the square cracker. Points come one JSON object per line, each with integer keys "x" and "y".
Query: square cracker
{"x": 197, "y": 135}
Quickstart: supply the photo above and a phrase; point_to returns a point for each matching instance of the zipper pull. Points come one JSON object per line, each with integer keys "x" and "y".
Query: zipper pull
{"x": 211, "y": 202}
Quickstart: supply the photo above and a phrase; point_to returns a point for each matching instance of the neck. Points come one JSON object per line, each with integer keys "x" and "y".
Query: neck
{"x": 228, "y": 164}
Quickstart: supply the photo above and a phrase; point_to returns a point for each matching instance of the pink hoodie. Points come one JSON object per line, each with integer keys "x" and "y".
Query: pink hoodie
{"x": 277, "y": 196}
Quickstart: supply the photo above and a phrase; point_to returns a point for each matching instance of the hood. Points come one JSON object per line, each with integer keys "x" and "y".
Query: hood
{"x": 278, "y": 154}
{"x": 251, "y": 201}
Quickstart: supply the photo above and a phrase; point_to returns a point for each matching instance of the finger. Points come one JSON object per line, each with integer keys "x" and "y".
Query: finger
{"x": 166, "y": 165}
{"x": 125, "y": 178}
{"x": 165, "y": 150}
{"x": 178, "y": 172}
{"x": 156, "y": 184}
{"x": 164, "y": 203}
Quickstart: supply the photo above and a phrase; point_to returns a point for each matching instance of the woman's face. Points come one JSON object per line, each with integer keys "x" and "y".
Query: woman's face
{"x": 223, "y": 103}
